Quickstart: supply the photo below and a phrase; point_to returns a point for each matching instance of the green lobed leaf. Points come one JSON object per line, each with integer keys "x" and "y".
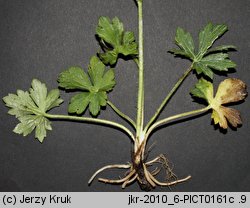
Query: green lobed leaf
{"x": 18, "y": 103}
{"x": 208, "y": 35}
{"x": 185, "y": 41}
{"x": 38, "y": 92}
{"x": 222, "y": 48}
{"x": 96, "y": 101}
{"x": 96, "y": 71}
{"x": 202, "y": 68}
{"x": 218, "y": 61}
{"x": 27, "y": 125}
{"x": 129, "y": 46}
{"x": 118, "y": 41}
{"x": 110, "y": 30}
{"x": 178, "y": 52}
{"x": 214, "y": 61}
{"x": 110, "y": 57}
{"x": 107, "y": 81}
{"x": 203, "y": 89}
{"x": 79, "y": 103}
{"x": 101, "y": 81}
{"x": 30, "y": 107}
{"x": 95, "y": 96}
{"x": 53, "y": 100}
{"x": 41, "y": 129}
{"x": 206, "y": 59}
{"x": 74, "y": 78}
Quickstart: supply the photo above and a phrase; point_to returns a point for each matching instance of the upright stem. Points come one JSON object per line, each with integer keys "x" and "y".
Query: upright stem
{"x": 140, "y": 99}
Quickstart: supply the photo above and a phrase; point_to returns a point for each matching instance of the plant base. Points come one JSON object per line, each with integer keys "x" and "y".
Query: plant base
{"x": 139, "y": 171}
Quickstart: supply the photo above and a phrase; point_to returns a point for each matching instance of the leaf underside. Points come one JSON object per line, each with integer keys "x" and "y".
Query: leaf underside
{"x": 30, "y": 106}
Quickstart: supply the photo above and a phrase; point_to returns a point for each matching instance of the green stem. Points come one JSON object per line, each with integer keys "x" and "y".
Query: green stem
{"x": 170, "y": 94}
{"x": 121, "y": 114}
{"x": 171, "y": 118}
{"x": 91, "y": 120}
{"x": 140, "y": 99}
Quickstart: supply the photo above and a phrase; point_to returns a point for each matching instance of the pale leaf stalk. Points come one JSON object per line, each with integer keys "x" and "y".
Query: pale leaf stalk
{"x": 136, "y": 60}
{"x": 168, "y": 97}
{"x": 171, "y": 118}
{"x": 121, "y": 114}
{"x": 92, "y": 120}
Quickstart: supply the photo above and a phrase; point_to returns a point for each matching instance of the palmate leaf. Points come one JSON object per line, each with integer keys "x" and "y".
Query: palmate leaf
{"x": 229, "y": 91}
{"x": 205, "y": 59}
{"x": 96, "y": 84}
{"x": 115, "y": 40}
{"x": 30, "y": 107}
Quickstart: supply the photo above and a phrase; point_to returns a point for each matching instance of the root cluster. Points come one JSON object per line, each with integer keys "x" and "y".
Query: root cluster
{"x": 144, "y": 173}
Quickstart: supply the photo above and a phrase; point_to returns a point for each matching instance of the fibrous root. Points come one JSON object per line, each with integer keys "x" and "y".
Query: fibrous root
{"x": 143, "y": 174}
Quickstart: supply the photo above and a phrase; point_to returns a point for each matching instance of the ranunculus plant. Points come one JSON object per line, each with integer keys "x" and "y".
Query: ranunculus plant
{"x": 33, "y": 107}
